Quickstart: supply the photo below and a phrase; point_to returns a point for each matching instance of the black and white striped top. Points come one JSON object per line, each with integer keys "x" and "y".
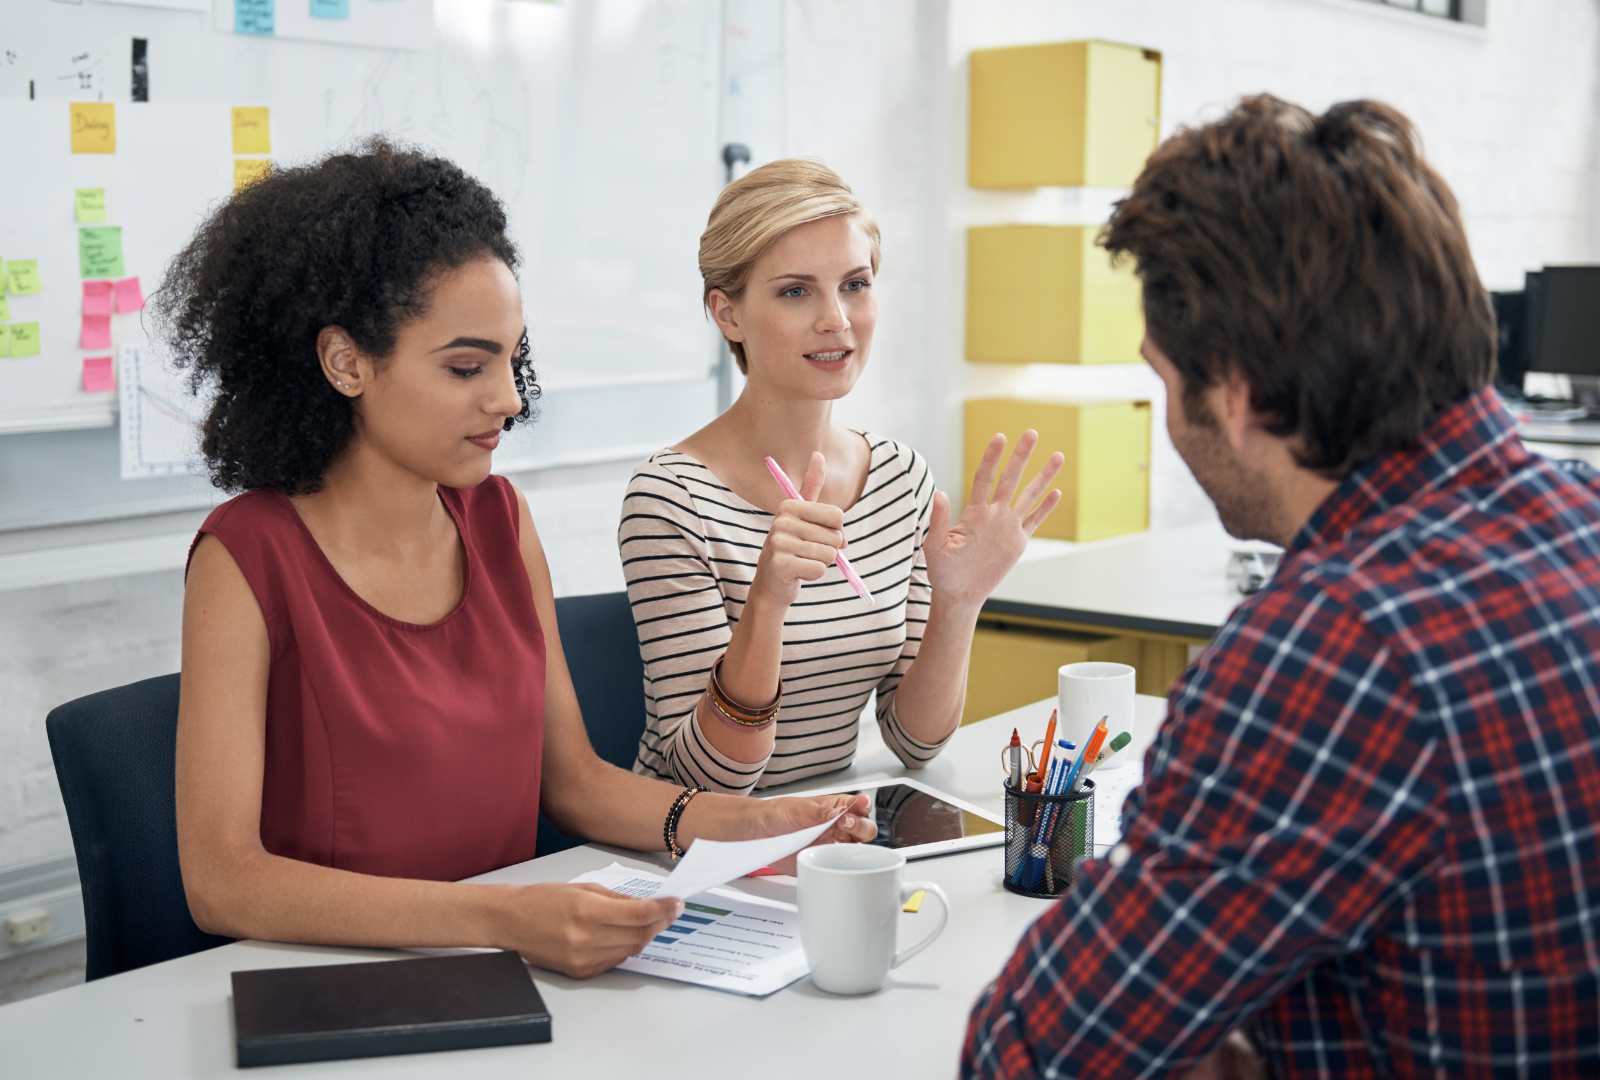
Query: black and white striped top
{"x": 689, "y": 549}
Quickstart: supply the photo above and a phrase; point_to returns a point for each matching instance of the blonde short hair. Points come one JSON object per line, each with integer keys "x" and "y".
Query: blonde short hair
{"x": 754, "y": 211}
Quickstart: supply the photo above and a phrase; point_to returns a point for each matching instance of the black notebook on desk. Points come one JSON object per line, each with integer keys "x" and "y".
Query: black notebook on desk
{"x": 284, "y": 1015}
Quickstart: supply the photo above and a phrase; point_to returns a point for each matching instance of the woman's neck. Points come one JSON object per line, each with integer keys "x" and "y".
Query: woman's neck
{"x": 369, "y": 503}
{"x": 788, "y": 430}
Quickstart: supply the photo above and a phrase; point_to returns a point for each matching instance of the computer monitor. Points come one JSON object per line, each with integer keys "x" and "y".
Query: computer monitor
{"x": 1562, "y": 332}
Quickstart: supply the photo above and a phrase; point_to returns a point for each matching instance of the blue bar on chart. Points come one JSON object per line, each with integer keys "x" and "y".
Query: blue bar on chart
{"x": 330, "y": 9}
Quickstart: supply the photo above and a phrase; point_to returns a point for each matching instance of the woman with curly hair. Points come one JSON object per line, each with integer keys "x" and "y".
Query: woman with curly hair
{"x": 374, "y": 697}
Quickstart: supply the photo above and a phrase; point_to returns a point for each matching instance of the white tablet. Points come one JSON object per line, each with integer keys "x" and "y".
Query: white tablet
{"x": 918, "y": 821}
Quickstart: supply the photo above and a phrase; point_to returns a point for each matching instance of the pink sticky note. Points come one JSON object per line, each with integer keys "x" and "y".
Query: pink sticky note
{"x": 129, "y": 296}
{"x": 97, "y": 374}
{"x": 97, "y": 298}
{"x": 96, "y": 332}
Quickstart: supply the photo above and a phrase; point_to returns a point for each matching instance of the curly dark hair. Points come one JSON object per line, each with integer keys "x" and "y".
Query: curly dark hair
{"x": 1325, "y": 260}
{"x": 354, "y": 240}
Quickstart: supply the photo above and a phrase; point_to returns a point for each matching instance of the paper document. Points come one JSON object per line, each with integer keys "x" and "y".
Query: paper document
{"x": 1111, "y": 787}
{"x": 709, "y": 863}
{"x": 724, "y": 940}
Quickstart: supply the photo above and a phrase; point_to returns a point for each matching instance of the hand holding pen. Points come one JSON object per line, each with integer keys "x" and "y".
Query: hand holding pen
{"x": 805, "y": 537}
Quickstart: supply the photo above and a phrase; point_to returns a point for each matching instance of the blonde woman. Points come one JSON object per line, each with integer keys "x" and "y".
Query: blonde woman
{"x": 759, "y": 656}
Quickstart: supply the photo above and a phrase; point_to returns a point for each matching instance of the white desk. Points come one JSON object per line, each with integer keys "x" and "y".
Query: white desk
{"x": 175, "y": 1019}
{"x": 1172, "y": 582}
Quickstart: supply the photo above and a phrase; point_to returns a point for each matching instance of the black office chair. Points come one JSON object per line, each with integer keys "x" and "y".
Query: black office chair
{"x": 114, "y": 755}
{"x": 602, "y": 650}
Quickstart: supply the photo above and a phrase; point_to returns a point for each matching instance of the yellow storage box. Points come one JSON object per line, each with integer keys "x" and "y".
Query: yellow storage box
{"x": 1015, "y": 664}
{"x": 1049, "y": 294}
{"x": 1071, "y": 114}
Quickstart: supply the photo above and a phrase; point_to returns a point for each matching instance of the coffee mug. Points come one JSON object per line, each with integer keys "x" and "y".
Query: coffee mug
{"x": 850, "y": 899}
{"x": 1092, "y": 689}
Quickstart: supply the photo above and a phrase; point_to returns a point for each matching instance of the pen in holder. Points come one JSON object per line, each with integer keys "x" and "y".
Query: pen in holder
{"x": 1046, "y": 837}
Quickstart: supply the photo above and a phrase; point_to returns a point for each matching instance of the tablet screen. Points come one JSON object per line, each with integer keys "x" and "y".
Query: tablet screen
{"x": 909, "y": 817}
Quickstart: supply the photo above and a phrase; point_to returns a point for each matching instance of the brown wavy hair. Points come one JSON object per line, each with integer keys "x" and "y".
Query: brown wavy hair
{"x": 1322, "y": 259}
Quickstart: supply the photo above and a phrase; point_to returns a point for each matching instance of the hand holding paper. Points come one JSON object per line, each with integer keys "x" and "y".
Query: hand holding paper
{"x": 710, "y": 863}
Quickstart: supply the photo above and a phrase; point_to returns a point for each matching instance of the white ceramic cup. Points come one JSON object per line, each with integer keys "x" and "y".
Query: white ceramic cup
{"x": 850, "y": 899}
{"x": 1089, "y": 690}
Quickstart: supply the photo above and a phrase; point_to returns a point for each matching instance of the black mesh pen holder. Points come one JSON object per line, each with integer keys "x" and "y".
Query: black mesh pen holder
{"x": 1046, "y": 837}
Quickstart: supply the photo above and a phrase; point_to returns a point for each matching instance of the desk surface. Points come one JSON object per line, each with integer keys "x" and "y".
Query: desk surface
{"x": 175, "y": 1019}
{"x": 1169, "y": 582}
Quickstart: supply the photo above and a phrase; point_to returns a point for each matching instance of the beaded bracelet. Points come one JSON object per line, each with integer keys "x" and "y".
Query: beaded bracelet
{"x": 669, "y": 827}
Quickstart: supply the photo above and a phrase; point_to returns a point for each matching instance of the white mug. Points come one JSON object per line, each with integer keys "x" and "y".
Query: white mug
{"x": 850, "y": 899}
{"x": 1089, "y": 690}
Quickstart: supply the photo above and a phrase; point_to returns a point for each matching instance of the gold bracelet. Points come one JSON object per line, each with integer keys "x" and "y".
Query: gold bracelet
{"x": 737, "y": 721}
{"x": 734, "y": 710}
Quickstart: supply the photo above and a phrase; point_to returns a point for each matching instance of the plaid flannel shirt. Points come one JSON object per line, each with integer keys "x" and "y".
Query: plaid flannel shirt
{"x": 1369, "y": 832}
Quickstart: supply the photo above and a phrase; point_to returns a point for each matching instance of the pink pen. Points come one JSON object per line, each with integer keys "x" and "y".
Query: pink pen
{"x": 849, "y": 572}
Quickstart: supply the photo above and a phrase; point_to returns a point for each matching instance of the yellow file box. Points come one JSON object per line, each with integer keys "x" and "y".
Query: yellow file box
{"x": 1071, "y": 114}
{"x": 1049, "y": 294}
{"x": 1105, "y": 484}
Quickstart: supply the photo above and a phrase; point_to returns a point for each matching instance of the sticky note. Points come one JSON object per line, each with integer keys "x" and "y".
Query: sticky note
{"x": 89, "y": 205}
{"x": 94, "y": 127}
{"x": 98, "y": 374}
{"x": 330, "y": 9}
{"x": 247, "y": 171}
{"x": 5, "y": 341}
{"x": 22, "y": 277}
{"x": 129, "y": 296}
{"x": 100, "y": 252}
{"x": 5, "y": 310}
{"x": 914, "y": 902}
{"x": 251, "y": 131}
{"x": 254, "y": 16}
{"x": 97, "y": 298}
{"x": 24, "y": 339}
{"x": 96, "y": 332}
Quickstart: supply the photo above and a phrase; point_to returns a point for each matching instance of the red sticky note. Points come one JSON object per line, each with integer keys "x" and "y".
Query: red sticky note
{"x": 129, "y": 296}
{"x": 96, "y": 332}
{"x": 98, "y": 374}
{"x": 97, "y": 298}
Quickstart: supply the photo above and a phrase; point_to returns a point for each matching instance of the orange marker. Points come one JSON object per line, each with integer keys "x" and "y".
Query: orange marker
{"x": 1038, "y": 774}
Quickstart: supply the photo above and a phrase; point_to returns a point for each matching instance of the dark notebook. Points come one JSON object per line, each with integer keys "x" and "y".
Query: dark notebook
{"x": 284, "y": 1015}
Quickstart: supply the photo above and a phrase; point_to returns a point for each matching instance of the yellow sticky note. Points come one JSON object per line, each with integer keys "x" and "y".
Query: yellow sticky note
{"x": 89, "y": 205}
{"x": 247, "y": 171}
{"x": 914, "y": 904}
{"x": 94, "y": 127}
{"x": 251, "y": 133}
{"x": 24, "y": 339}
{"x": 22, "y": 277}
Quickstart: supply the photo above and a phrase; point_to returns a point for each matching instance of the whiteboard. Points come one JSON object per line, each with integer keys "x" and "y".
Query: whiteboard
{"x": 596, "y": 124}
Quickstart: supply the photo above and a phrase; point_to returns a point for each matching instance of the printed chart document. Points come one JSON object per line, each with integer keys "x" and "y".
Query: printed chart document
{"x": 1111, "y": 787}
{"x": 709, "y": 863}
{"x": 724, "y": 940}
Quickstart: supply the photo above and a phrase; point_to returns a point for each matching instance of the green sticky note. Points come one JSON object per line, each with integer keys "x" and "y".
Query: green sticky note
{"x": 89, "y": 205}
{"x": 100, "y": 252}
{"x": 22, "y": 277}
{"x": 24, "y": 339}
{"x": 5, "y": 341}
{"x": 5, "y": 310}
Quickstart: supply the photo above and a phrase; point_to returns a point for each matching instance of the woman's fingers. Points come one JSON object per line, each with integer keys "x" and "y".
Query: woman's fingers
{"x": 826, "y": 515}
{"x": 816, "y": 475}
{"x": 1042, "y": 511}
{"x": 1036, "y": 487}
{"x": 983, "y": 479}
{"x": 1007, "y": 487}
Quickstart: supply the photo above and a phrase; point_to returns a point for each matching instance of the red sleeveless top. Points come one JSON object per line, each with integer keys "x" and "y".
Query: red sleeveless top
{"x": 395, "y": 748}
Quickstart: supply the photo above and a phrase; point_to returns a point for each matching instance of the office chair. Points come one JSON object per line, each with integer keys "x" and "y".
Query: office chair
{"x": 114, "y": 754}
{"x": 602, "y": 650}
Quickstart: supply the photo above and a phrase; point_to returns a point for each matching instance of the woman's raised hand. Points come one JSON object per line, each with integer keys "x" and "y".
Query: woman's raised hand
{"x": 967, "y": 560}
{"x": 805, "y": 537}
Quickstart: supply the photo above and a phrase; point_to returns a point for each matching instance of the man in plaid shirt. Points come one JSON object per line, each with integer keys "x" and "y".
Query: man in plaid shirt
{"x": 1369, "y": 833}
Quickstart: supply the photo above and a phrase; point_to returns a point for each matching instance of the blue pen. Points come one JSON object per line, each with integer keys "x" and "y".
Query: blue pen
{"x": 1052, "y": 778}
{"x": 1044, "y": 824}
